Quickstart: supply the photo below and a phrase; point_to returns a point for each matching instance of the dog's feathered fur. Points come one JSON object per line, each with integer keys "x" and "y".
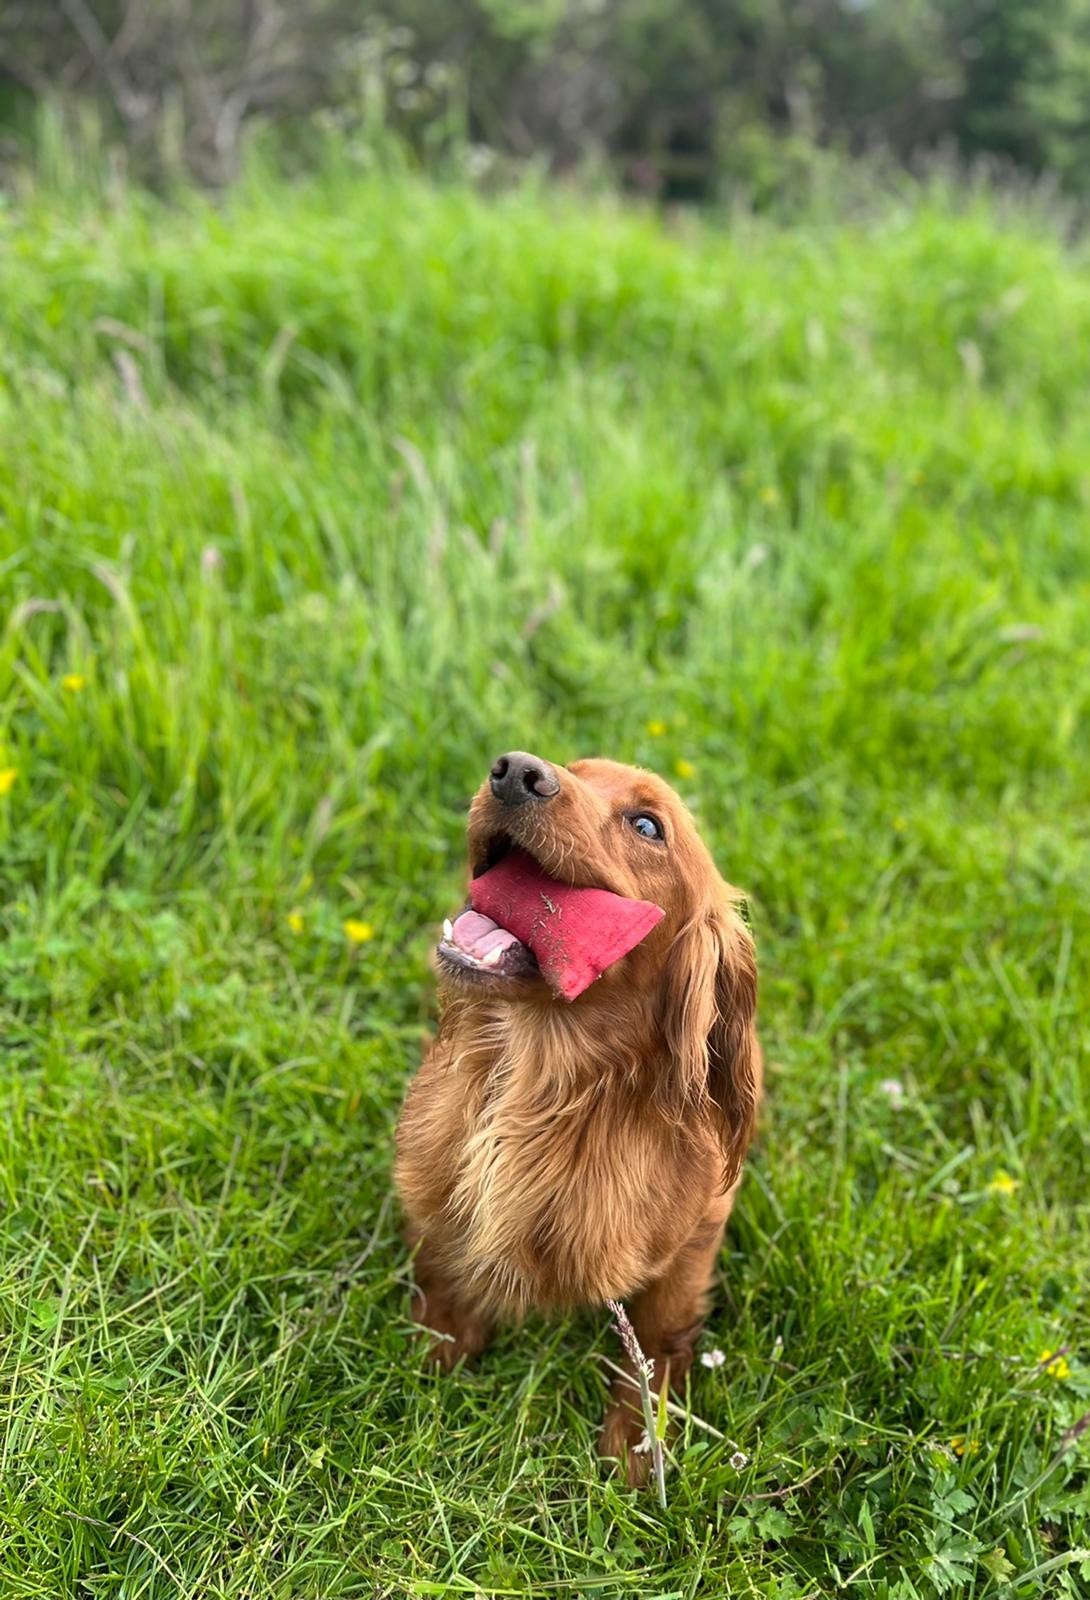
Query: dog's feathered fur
{"x": 552, "y": 1155}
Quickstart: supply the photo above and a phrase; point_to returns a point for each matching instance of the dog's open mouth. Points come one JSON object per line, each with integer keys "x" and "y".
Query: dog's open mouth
{"x": 475, "y": 943}
{"x": 520, "y": 922}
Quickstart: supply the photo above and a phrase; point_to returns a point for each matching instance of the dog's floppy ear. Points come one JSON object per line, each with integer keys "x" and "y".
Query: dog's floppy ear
{"x": 709, "y": 1007}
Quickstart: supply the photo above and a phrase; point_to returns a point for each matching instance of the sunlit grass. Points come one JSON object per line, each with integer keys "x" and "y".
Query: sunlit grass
{"x": 308, "y": 507}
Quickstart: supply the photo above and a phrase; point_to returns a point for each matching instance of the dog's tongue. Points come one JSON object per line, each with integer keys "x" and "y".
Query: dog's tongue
{"x": 575, "y": 934}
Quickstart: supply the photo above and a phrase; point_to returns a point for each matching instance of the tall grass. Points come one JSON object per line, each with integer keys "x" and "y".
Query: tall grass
{"x": 309, "y": 504}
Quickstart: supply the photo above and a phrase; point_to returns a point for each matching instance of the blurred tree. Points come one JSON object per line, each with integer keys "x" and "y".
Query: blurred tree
{"x": 682, "y": 94}
{"x": 1026, "y": 82}
{"x": 190, "y": 71}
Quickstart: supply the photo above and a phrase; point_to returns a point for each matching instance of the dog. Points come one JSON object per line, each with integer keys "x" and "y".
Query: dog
{"x": 554, "y": 1153}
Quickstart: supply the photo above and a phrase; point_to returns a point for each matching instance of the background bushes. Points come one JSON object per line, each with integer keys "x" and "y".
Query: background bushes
{"x": 684, "y": 98}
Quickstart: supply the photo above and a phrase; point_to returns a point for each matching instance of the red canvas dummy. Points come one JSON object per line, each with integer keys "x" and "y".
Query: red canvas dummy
{"x": 575, "y": 934}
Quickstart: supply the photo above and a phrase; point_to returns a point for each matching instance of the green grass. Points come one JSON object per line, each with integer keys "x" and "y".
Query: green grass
{"x": 331, "y": 494}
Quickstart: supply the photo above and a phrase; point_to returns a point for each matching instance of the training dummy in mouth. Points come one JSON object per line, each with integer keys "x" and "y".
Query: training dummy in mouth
{"x": 574, "y": 933}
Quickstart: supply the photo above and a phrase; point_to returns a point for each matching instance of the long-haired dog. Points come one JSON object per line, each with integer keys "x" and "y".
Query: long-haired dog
{"x": 554, "y": 1152}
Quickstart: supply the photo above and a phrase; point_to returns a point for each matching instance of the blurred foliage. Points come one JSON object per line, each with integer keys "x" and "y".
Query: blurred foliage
{"x": 684, "y": 98}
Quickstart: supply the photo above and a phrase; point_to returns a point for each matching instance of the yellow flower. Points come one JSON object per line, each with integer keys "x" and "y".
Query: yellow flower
{"x": 961, "y": 1446}
{"x": 683, "y": 768}
{"x": 8, "y": 776}
{"x": 1055, "y": 1365}
{"x": 656, "y": 728}
{"x": 73, "y": 682}
{"x": 294, "y": 920}
{"x": 769, "y": 495}
{"x": 1003, "y": 1183}
{"x": 357, "y": 932}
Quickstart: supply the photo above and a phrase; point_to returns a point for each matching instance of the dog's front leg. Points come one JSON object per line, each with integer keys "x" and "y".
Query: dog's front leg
{"x": 457, "y": 1333}
{"x": 667, "y": 1316}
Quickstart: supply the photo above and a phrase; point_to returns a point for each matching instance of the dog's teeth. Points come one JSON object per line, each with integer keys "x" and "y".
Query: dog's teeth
{"x": 448, "y": 928}
{"x": 493, "y": 956}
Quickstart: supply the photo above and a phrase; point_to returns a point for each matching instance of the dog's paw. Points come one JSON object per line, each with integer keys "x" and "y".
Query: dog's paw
{"x": 623, "y": 1439}
{"x": 451, "y": 1336}
{"x": 447, "y": 1350}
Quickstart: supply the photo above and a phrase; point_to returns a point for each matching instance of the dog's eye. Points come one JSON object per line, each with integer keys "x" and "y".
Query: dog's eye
{"x": 647, "y": 826}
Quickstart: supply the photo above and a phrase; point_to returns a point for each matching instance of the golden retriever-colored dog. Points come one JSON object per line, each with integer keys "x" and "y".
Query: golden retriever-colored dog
{"x": 554, "y": 1153}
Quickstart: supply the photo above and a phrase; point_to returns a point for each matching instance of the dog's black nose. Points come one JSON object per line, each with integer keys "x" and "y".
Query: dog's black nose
{"x": 517, "y": 777}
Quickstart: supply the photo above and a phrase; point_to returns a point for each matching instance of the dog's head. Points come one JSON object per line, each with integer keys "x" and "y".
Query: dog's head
{"x": 690, "y": 986}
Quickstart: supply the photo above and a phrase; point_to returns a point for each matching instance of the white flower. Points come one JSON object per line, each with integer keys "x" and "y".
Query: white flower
{"x": 894, "y": 1090}
{"x": 739, "y": 1460}
{"x": 713, "y": 1358}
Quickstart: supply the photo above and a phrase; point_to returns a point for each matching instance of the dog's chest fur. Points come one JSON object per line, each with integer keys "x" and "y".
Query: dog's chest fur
{"x": 563, "y": 1187}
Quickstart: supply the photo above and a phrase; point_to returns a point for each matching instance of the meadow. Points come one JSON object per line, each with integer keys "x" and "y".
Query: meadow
{"x": 312, "y": 500}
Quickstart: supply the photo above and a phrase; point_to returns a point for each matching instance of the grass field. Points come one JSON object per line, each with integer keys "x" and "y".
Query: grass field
{"x": 309, "y": 505}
